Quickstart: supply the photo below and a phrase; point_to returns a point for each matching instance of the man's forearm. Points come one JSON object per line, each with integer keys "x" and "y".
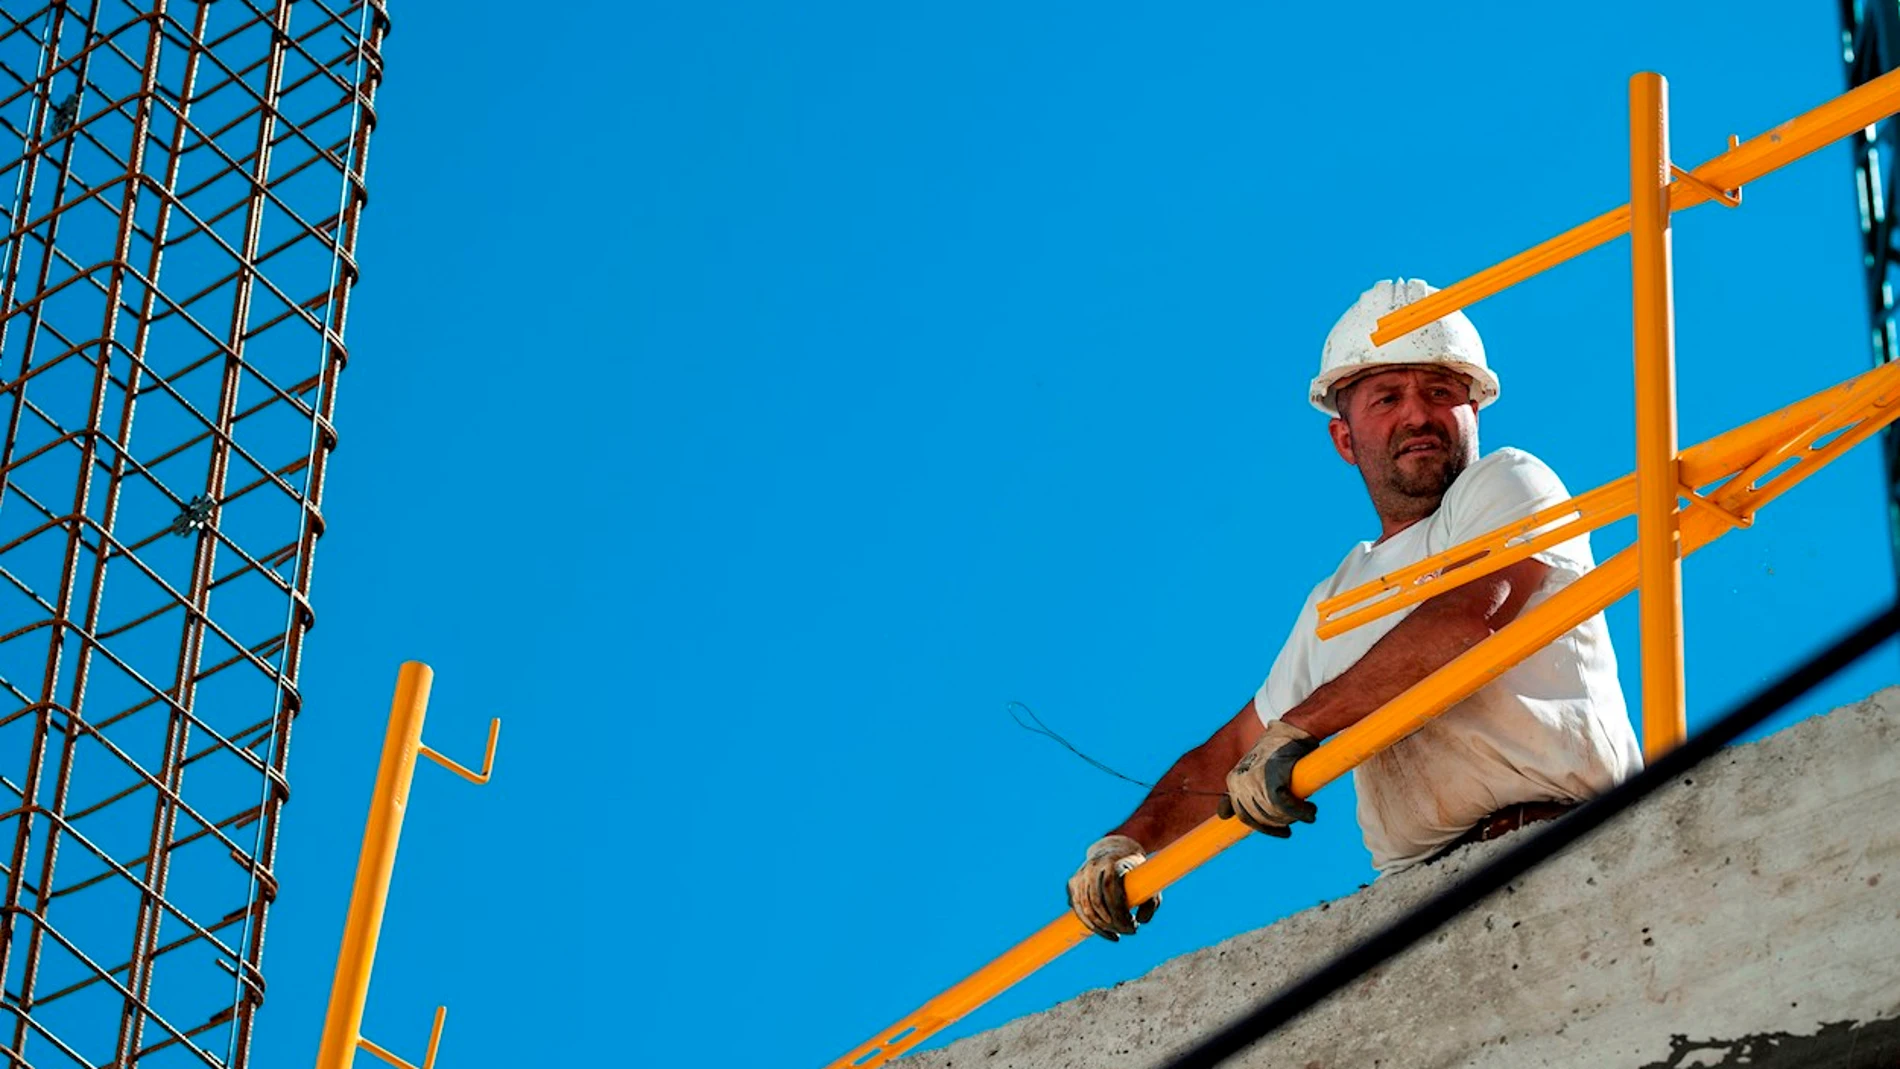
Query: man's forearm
{"x": 1183, "y": 798}
{"x": 1186, "y": 795}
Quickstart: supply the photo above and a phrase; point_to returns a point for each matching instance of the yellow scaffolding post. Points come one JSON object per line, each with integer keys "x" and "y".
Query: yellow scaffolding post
{"x": 1725, "y": 480}
{"x": 402, "y": 744}
{"x": 1660, "y": 606}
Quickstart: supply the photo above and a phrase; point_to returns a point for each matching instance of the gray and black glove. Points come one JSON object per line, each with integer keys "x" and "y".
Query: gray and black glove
{"x": 1097, "y": 895}
{"x": 1259, "y": 789}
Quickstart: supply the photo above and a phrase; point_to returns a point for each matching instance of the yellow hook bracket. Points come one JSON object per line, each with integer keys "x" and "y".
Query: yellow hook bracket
{"x": 435, "y": 1040}
{"x": 488, "y": 759}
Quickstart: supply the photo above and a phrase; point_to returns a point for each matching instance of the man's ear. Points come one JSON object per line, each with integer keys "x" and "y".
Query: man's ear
{"x": 1342, "y": 440}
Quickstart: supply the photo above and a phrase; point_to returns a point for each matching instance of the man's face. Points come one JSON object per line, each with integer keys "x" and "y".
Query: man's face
{"x": 1410, "y": 431}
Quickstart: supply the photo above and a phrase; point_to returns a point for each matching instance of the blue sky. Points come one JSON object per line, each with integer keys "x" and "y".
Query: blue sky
{"x": 747, "y": 402}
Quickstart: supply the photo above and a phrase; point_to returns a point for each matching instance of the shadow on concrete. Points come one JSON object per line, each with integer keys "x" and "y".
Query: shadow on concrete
{"x": 1838, "y": 1045}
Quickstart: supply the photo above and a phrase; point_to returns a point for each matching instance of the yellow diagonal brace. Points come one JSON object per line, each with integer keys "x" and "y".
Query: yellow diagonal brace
{"x": 1748, "y": 161}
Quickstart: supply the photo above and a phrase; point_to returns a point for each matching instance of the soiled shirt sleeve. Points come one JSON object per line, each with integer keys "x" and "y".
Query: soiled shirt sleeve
{"x": 1509, "y": 485}
{"x": 1290, "y": 681}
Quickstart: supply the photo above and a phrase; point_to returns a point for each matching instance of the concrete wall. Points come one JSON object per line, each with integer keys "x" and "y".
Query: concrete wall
{"x": 1747, "y": 914}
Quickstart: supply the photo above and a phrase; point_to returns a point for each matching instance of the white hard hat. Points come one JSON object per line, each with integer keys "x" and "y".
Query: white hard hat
{"x": 1450, "y": 342}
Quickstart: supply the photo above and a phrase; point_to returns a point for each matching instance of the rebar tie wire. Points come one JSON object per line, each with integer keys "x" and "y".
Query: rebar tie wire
{"x": 1396, "y": 937}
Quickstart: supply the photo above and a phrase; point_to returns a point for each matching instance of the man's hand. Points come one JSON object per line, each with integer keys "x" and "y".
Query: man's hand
{"x": 1259, "y": 789}
{"x": 1096, "y": 893}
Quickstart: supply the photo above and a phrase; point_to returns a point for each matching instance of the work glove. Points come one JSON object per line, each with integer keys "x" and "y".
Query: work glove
{"x": 1096, "y": 893}
{"x": 1259, "y": 789}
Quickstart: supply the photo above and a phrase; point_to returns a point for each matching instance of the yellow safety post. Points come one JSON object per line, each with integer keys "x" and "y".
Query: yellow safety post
{"x": 402, "y": 744}
{"x": 1659, "y": 606}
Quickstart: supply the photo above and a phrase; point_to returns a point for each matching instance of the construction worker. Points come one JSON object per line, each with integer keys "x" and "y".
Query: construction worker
{"x": 1532, "y": 743}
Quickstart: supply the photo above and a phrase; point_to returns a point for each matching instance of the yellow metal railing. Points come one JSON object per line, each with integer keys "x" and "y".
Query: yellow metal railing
{"x": 1719, "y": 179}
{"x": 1725, "y": 480}
{"x": 402, "y": 744}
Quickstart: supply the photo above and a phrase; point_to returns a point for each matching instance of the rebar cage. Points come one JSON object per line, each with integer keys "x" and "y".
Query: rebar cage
{"x": 180, "y": 188}
{"x": 1870, "y": 47}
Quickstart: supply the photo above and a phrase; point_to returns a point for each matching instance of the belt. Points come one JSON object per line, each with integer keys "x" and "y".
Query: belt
{"x": 1505, "y": 821}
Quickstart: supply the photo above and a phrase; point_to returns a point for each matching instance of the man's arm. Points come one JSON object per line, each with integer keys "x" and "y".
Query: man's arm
{"x": 1182, "y": 799}
{"x": 1436, "y": 632}
{"x": 1187, "y": 794}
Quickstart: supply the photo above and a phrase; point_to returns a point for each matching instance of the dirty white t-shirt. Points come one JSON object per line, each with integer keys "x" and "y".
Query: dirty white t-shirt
{"x": 1554, "y": 728}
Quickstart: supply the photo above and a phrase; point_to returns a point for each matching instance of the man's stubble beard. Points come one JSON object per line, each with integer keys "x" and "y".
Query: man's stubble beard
{"x": 1431, "y": 481}
{"x": 1401, "y": 494}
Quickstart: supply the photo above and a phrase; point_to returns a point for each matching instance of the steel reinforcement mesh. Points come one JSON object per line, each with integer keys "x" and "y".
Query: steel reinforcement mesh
{"x": 180, "y": 186}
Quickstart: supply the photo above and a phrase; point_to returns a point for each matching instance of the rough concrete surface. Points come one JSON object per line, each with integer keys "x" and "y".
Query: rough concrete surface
{"x": 1748, "y": 914}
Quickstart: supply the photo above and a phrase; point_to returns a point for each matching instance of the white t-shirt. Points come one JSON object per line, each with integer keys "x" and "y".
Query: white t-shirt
{"x": 1554, "y": 728}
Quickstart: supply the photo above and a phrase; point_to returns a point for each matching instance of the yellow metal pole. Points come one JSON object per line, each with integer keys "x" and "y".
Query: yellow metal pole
{"x": 343, "y": 1025}
{"x": 1659, "y": 553}
{"x": 402, "y": 744}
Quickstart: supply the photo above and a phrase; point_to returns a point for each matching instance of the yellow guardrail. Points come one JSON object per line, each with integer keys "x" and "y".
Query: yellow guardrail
{"x": 1725, "y": 480}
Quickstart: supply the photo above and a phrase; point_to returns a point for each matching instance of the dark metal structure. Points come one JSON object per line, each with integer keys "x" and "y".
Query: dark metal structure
{"x": 1870, "y": 46}
{"x": 180, "y": 187}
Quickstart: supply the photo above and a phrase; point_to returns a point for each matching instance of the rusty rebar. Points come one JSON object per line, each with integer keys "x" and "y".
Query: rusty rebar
{"x": 181, "y": 186}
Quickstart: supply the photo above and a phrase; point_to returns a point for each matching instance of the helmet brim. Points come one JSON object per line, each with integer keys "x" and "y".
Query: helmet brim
{"x": 1484, "y": 382}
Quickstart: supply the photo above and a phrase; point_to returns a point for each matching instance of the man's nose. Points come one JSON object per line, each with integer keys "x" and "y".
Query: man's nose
{"x": 1414, "y": 410}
